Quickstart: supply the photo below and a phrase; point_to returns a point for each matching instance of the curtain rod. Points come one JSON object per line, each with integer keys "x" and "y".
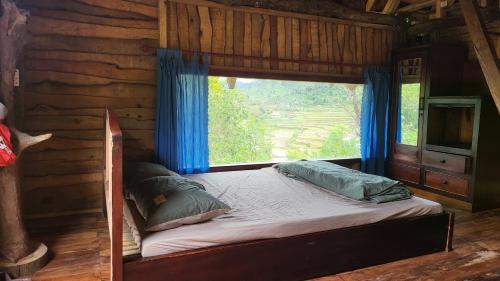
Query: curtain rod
{"x": 283, "y": 60}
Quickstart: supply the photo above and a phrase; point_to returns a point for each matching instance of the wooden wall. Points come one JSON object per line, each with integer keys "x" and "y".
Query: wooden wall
{"x": 475, "y": 83}
{"x": 84, "y": 55}
{"x": 271, "y": 42}
{"x": 460, "y": 35}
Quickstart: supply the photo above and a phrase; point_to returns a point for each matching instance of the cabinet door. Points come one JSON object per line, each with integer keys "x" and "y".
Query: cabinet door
{"x": 408, "y": 106}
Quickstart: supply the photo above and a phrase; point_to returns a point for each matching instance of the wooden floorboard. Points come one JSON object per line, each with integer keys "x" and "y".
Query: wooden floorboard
{"x": 80, "y": 252}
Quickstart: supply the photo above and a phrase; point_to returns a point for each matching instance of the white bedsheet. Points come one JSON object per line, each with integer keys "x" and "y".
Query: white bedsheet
{"x": 266, "y": 204}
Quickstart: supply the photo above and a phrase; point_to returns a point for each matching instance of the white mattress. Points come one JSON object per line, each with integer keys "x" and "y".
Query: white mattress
{"x": 266, "y": 204}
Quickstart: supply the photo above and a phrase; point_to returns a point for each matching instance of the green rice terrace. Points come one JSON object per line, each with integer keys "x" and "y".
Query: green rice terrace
{"x": 271, "y": 120}
{"x": 303, "y": 133}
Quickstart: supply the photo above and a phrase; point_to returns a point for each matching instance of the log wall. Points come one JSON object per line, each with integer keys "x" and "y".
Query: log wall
{"x": 84, "y": 55}
{"x": 253, "y": 40}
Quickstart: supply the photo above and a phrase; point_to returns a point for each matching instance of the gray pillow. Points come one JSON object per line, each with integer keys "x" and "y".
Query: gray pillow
{"x": 135, "y": 172}
{"x": 171, "y": 201}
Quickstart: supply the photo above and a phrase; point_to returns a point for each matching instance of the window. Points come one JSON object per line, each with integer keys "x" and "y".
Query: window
{"x": 259, "y": 120}
{"x": 410, "y": 70}
{"x": 410, "y": 94}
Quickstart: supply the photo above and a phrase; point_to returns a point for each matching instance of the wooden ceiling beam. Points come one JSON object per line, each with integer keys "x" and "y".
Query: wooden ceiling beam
{"x": 417, "y": 6}
{"x": 390, "y": 7}
{"x": 369, "y": 5}
{"x": 484, "y": 50}
{"x": 426, "y": 27}
{"x": 324, "y": 8}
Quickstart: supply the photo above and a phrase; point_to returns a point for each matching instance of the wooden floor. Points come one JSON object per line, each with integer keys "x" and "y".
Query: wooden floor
{"x": 80, "y": 250}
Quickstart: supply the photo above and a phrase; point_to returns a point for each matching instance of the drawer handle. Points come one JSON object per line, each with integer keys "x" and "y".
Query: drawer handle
{"x": 444, "y": 181}
{"x": 442, "y": 161}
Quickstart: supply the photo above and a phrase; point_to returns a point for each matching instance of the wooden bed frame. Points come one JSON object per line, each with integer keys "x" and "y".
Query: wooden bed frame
{"x": 290, "y": 258}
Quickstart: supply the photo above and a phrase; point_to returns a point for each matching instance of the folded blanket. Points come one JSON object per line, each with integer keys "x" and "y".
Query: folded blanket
{"x": 350, "y": 183}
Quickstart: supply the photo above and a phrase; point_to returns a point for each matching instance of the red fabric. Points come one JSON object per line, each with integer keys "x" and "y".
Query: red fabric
{"x": 7, "y": 157}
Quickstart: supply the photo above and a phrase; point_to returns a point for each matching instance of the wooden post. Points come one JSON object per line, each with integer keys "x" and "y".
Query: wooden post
{"x": 113, "y": 190}
{"x": 451, "y": 226}
{"x": 440, "y": 12}
{"x": 484, "y": 51}
{"x": 162, "y": 23}
{"x": 18, "y": 255}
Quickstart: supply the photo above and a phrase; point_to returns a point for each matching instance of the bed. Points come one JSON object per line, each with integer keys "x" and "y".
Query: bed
{"x": 279, "y": 229}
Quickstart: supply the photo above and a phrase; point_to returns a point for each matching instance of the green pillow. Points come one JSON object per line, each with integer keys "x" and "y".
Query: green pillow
{"x": 171, "y": 201}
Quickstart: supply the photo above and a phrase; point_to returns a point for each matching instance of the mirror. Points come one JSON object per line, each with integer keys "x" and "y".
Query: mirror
{"x": 408, "y": 101}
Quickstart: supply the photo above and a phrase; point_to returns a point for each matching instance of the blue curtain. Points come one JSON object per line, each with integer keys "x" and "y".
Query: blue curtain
{"x": 375, "y": 120}
{"x": 181, "y": 141}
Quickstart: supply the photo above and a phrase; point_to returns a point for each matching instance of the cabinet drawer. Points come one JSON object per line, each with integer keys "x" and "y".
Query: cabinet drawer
{"x": 405, "y": 173}
{"x": 447, "y": 183}
{"x": 450, "y": 162}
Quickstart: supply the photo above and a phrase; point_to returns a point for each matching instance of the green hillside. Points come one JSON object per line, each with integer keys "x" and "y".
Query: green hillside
{"x": 269, "y": 120}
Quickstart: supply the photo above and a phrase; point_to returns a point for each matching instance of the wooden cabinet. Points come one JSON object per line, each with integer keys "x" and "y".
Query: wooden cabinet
{"x": 420, "y": 73}
{"x": 445, "y": 138}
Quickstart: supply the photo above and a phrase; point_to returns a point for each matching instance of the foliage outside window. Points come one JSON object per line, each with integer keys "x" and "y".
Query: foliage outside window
{"x": 259, "y": 120}
{"x": 410, "y": 94}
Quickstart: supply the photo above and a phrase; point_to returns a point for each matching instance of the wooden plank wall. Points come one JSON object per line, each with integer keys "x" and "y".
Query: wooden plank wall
{"x": 87, "y": 54}
{"x": 257, "y": 37}
{"x": 84, "y": 55}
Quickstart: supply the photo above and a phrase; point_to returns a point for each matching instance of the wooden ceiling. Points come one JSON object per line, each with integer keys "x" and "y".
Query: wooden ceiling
{"x": 434, "y": 9}
{"x": 370, "y": 11}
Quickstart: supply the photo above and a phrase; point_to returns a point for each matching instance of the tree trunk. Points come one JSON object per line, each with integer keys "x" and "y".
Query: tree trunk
{"x": 15, "y": 246}
{"x": 14, "y": 243}
{"x": 356, "y": 114}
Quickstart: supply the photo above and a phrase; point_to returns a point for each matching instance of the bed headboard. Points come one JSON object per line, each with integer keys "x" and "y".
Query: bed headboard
{"x": 114, "y": 193}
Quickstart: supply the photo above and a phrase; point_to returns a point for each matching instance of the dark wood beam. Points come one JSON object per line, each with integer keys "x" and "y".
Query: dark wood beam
{"x": 324, "y": 8}
{"x": 390, "y": 7}
{"x": 484, "y": 50}
{"x": 416, "y": 6}
{"x": 487, "y": 14}
{"x": 369, "y": 5}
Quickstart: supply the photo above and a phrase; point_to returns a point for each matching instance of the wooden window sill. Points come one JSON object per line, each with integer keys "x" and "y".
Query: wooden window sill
{"x": 348, "y": 162}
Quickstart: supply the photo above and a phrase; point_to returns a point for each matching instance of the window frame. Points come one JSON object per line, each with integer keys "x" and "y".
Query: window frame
{"x": 347, "y": 161}
{"x": 276, "y": 75}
